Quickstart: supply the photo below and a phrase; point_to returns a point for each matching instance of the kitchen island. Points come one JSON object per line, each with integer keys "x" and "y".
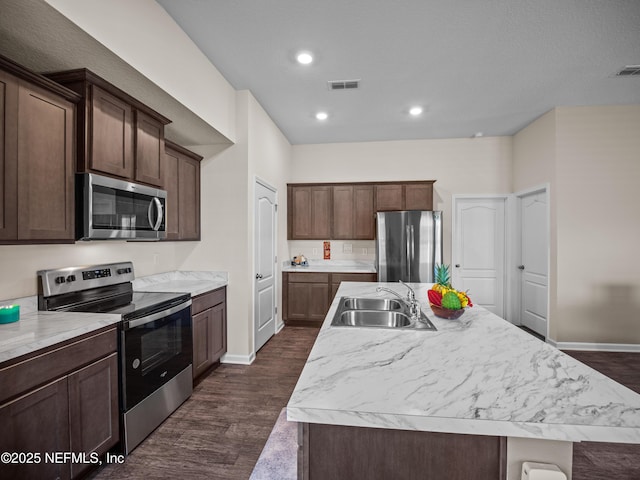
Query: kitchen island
{"x": 475, "y": 377}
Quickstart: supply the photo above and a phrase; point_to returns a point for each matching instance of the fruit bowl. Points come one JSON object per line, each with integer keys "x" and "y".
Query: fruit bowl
{"x": 445, "y": 312}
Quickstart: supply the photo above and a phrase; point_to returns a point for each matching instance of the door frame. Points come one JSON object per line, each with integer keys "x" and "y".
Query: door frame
{"x": 276, "y": 273}
{"x": 508, "y": 260}
{"x": 516, "y": 241}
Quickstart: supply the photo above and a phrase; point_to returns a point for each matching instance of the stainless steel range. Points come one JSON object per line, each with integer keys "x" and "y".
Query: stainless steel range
{"x": 155, "y": 339}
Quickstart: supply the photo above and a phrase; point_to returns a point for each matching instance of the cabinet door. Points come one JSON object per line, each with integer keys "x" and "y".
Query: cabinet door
{"x": 46, "y": 166}
{"x": 365, "y": 220}
{"x": 189, "y": 199}
{"x": 149, "y": 143}
{"x": 338, "y": 278}
{"x": 343, "y": 212}
{"x": 8, "y": 155}
{"x": 418, "y": 196}
{"x": 321, "y": 212}
{"x": 171, "y": 162}
{"x": 298, "y": 297}
{"x": 318, "y": 305}
{"x": 111, "y": 134}
{"x": 201, "y": 325}
{"x": 389, "y": 197}
{"x": 218, "y": 331}
{"x": 36, "y": 422}
{"x": 309, "y": 213}
{"x": 93, "y": 409}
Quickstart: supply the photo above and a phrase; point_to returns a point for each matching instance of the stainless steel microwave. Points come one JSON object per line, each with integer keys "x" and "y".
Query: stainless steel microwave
{"x": 112, "y": 209}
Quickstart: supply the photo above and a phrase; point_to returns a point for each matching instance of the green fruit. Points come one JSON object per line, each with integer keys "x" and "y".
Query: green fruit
{"x": 451, "y": 301}
{"x": 441, "y": 275}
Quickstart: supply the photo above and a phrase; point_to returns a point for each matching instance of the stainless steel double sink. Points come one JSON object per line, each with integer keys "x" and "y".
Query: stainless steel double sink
{"x": 377, "y": 313}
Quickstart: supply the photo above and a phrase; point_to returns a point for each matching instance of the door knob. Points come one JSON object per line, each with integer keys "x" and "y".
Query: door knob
{"x": 521, "y": 267}
{"x": 258, "y": 276}
{"x": 457, "y": 265}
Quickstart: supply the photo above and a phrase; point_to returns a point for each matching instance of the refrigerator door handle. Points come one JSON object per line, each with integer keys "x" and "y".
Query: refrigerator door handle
{"x": 408, "y": 252}
{"x": 413, "y": 251}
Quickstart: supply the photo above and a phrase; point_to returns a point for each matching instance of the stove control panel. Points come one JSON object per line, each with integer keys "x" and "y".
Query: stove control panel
{"x": 74, "y": 279}
{"x": 100, "y": 273}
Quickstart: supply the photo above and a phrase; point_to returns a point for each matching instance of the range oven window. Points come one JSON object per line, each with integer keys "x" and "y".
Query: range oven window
{"x": 154, "y": 352}
{"x": 159, "y": 345}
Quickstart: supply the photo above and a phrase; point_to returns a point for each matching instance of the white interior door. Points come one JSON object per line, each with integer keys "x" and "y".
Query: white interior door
{"x": 265, "y": 265}
{"x": 478, "y": 254}
{"x": 534, "y": 281}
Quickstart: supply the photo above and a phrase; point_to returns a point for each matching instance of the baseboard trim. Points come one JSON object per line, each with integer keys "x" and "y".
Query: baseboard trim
{"x": 279, "y": 327}
{"x": 238, "y": 359}
{"x": 596, "y": 347}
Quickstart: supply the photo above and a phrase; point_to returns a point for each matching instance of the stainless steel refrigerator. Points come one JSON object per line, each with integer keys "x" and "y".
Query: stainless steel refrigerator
{"x": 408, "y": 245}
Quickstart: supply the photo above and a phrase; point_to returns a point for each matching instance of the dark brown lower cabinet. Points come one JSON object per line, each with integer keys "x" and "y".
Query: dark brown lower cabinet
{"x": 306, "y": 296}
{"x": 338, "y": 452}
{"x": 33, "y": 424}
{"x": 209, "y": 312}
{"x": 93, "y": 409}
{"x": 74, "y": 410}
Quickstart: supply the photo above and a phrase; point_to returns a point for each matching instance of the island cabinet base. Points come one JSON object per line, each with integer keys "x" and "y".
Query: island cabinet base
{"x": 338, "y": 452}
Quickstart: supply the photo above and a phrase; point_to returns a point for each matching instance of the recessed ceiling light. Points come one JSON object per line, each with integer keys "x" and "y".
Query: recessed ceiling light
{"x": 415, "y": 111}
{"x": 304, "y": 58}
{"x": 322, "y": 116}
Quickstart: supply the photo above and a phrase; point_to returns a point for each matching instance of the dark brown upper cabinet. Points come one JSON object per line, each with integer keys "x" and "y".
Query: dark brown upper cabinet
{"x": 346, "y": 211}
{"x": 118, "y": 135}
{"x": 309, "y": 212}
{"x": 182, "y": 173}
{"x": 353, "y": 212}
{"x": 37, "y": 158}
{"x": 404, "y": 196}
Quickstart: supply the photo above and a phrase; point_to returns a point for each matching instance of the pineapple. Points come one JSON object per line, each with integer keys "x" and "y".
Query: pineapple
{"x": 441, "y": 277}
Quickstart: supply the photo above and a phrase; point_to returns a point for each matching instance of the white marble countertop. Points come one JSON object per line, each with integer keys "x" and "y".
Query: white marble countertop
{"x": 332, "y": 266}
{"x": 36, "y": 330}
{"x": 192, "y": 282}
{"x": 475, "y": 375}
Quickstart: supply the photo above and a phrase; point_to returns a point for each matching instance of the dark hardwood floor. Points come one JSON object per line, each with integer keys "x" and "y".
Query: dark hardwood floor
{"x": 221, "y": 430}
{"x": 609, "y": 461}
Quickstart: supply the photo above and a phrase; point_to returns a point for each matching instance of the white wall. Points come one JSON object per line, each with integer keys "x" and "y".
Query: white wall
{"x": 534, "y": 164}
{"x": 597, "y": 176}
{"x": 462, "y": 165}
{"x": 590, "y": 157}
{"x": 143, "y": 34}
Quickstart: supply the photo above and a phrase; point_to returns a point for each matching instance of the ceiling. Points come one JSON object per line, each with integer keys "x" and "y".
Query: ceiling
{"x": 489, "y": 66}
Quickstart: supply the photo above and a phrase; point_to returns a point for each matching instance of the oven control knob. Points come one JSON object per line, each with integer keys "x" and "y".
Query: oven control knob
{"x": 136, "y": 363}
{"x": 60, "y": 280}
{"x": 121, "y": 271}
{"x": 71, "y": 278}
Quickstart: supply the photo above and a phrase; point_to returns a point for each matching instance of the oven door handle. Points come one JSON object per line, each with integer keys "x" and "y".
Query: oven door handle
{"x": 155, "y": 316}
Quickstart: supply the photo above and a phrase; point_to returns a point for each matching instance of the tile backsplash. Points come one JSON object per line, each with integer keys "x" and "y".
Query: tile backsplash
{"x": 340, "y": 249}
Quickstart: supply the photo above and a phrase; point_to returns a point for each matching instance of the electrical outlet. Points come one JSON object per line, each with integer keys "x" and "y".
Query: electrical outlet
{"x": 347, "y": 248}
{"x": 315, "y": 252}
{"x": 156, "y": 258}
{"x": 364, "y": 251}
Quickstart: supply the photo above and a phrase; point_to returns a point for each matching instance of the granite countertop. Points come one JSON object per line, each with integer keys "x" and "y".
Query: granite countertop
{"x": 191, "y": 282}
{"x": 332, "y": 266}
{"x": 476, "y": 375}
{"x": 36, "y": 330}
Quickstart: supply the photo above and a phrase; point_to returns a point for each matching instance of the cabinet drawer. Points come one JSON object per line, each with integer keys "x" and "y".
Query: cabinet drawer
{"x": 308, "y": 277}
{"x": 208, "y": 300}
{"x": 353, "y": 277}
{"x": 45, "y": 367}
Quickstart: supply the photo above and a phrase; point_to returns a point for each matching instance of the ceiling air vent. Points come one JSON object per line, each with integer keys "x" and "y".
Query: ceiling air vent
{"x": 629, "y": 71}
{"x": 343, "y": 84}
